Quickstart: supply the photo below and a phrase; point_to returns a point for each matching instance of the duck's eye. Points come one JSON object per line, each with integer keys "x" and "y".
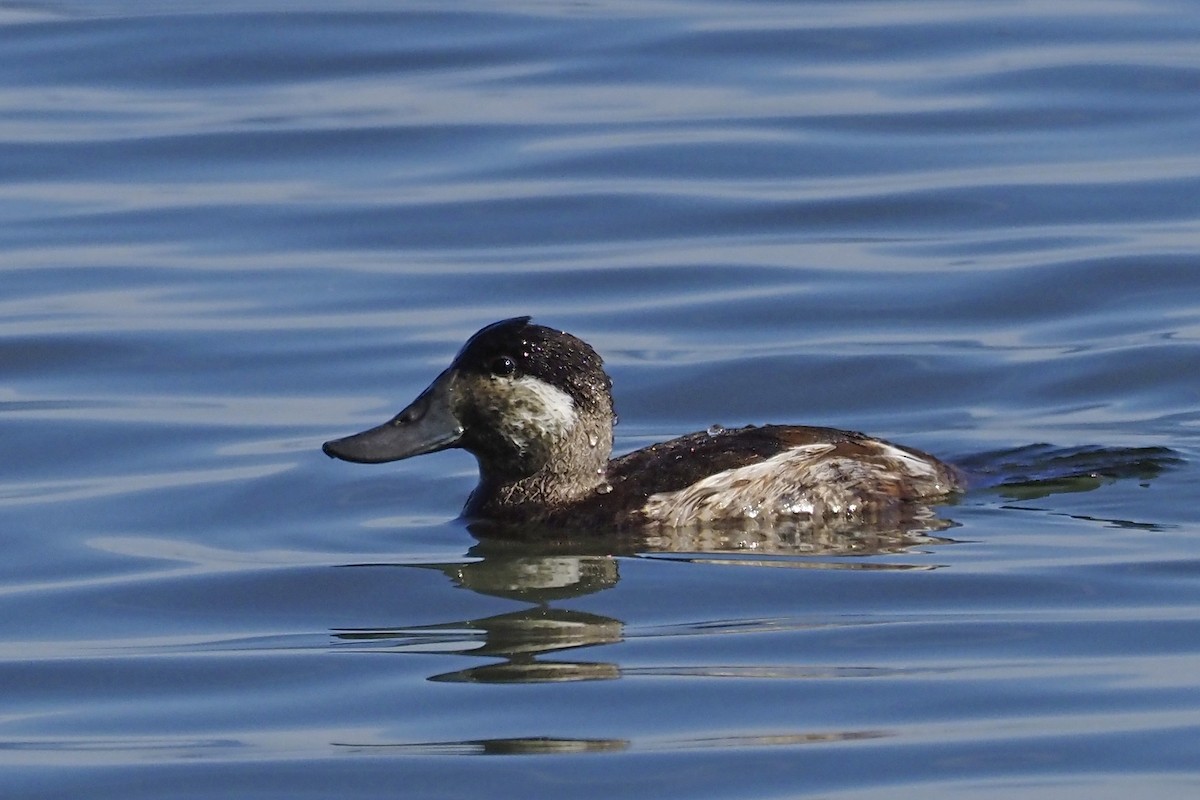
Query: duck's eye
{"x": 503, "y": 366}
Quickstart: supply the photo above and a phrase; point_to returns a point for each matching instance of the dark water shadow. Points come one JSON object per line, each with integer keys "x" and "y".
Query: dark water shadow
{"x": 549, "y": 745}
{"x": 1040, "y": 470}
{"x": 1020, "y": 475}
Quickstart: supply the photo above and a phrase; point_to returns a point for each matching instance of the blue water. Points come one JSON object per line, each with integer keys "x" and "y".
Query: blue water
{"x": 230, "y": 231}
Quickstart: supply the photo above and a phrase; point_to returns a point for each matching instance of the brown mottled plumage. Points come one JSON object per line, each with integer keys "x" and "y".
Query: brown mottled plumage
{"x": 534, "y": 406}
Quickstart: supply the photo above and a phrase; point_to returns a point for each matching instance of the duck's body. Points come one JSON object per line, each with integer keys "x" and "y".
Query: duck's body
{"x": 534, "y": 406}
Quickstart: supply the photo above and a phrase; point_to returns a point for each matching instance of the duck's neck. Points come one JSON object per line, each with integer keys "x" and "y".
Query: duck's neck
{"x": 562, "y": 471}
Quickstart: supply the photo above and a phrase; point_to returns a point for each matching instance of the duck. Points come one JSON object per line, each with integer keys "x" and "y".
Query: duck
{"x": 534, "y": 405}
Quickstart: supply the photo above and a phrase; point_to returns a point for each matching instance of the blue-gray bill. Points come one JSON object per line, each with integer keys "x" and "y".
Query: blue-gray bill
{"x": 426, "y": 426}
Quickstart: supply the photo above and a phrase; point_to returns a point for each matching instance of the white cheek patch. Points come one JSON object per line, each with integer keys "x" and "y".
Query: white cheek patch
{"x": 534, "y": 410}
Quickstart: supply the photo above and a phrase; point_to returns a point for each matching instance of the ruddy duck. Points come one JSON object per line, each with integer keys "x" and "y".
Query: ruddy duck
{"x": 534, "y": 406}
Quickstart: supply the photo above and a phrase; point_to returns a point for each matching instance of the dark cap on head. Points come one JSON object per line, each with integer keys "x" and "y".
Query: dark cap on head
{"x": 560, "y": 359}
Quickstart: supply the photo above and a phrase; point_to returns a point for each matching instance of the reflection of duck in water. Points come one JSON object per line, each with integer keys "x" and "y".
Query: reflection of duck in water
{"x": 531, "y": 643}
{"x": 534, "y": 406}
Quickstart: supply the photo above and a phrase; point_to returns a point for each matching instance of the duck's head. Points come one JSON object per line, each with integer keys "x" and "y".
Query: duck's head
{"x": 522, "y": 398}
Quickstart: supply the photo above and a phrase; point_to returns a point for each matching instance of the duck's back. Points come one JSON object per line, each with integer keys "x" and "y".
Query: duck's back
{"x": 772, "y": 472}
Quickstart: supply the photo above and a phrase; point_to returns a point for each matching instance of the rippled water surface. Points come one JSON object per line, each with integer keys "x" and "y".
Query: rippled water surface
{"x": 234, "y": 230}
